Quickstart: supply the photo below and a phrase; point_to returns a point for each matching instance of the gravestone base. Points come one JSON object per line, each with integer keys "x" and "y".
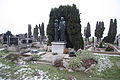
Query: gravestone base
{"x": 58, "y": 47}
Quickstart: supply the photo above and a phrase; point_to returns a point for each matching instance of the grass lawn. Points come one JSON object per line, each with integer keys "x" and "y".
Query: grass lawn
{"x": 109, "y": 74}
{"x": 114, "y": 72}
{"x": 56, "y": 74}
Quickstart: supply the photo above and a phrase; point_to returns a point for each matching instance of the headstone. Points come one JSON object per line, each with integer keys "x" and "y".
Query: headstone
{"x": 30, "y": 41}
{"x": 13, "y": 41}
{"x": 24, "y": 41}
{"x": 6, "y": 37}
{"x": 118, "y": 41}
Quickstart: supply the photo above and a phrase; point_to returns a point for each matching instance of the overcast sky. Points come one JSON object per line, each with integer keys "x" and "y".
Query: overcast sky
{"x": 15, "y": 15}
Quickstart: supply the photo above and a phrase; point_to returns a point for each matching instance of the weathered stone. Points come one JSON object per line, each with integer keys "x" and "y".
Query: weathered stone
{"x": 81, "y": 68}
{"x": 79, "y": 50}
{"x": 91, "y": 67}
{"x": 61, "y": 68}
{"x": 71, "y": 77}
{"x": 66, "y": 63}
{"x": 57, "y": 61}
{"x": 21, "y": 62}
{"x": 70, "y": 70}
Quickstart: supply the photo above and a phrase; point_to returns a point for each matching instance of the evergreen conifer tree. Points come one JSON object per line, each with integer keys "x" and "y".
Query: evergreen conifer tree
{"x": 36, "y": 33}
{"x": 73, "y": 27}
{"x": 29, "y": 30}
{"x": 99, "y": 30}
{"x": 112, "y": 32}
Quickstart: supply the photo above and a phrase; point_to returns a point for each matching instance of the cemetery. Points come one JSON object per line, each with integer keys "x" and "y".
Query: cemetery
{"x": 64, "y": 54}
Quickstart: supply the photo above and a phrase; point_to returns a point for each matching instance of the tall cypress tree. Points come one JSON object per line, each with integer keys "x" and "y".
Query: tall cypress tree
{"x": 36, "y": 33}
{"x": 42, "y": 30}
{"x": 99, "y": 30}
{"x": 112, "y": 32}
{"x": 39, "y": 29}
{"x": 85, "y": 31}
{"x": 102, "y": 29}
{"x": 73, "y": 27}
{"x": 88, "y": 34}
{"x": 29, "y": 30}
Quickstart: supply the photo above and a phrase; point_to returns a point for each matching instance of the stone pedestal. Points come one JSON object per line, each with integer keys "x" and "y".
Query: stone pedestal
{"x": 58, "y": 47}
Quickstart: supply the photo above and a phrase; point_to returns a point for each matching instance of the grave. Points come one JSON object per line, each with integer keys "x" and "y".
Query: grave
{"x": 13, "y": 41}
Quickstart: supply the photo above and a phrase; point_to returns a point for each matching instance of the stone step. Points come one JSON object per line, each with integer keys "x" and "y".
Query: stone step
{"x": 45, "y": 61}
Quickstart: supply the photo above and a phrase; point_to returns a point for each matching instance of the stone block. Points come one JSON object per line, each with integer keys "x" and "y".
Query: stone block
{"x": 58, "y": 47}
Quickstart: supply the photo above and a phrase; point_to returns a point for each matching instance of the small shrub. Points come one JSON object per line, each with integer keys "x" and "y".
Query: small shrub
{"x": 35, "y": 57}
{"x": 13, "y": 57}
{"x": 83, "y": 58}
{"x": 109, "y": 48}
{"x": 4, "y": 52}
{"x": 84, "y": 54}
{"x": 74, "y": 63}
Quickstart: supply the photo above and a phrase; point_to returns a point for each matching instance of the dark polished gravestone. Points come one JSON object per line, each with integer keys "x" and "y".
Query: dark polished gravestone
{"x": 11, "y": 41}
{"x": 26, "y": 41}
{"x": 14, "y": 41}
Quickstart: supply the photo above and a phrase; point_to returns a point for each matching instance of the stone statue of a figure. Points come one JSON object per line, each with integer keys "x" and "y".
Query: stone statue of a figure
{"x": 56, "y": 30}
{"x": 59, "y": 30}
{"x": 62, "y": 29}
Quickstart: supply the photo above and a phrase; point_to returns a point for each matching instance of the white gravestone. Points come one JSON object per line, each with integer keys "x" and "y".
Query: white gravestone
{"x": 58, "y": 47}
{"x": 118, "y": 41}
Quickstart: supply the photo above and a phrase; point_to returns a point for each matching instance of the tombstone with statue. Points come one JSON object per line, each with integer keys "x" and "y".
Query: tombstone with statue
{"x": 59, "y": 43}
